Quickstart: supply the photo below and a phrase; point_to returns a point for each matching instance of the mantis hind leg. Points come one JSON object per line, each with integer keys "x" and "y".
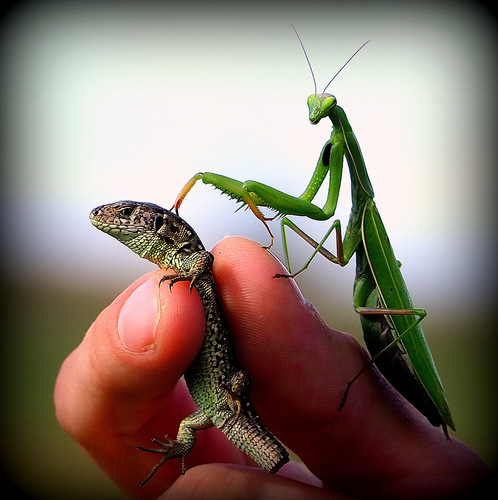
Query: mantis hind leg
{"x": 374, "y": 311}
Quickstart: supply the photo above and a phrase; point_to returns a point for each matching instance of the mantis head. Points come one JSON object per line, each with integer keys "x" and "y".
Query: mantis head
{"x": 320, "y": 106}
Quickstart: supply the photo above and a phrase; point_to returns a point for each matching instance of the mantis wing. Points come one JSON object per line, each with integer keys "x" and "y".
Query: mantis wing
{"x": 403, "y": 319}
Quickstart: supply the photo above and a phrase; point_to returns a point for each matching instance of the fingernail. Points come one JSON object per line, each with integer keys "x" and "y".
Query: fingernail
{"x": 139, "y": 316}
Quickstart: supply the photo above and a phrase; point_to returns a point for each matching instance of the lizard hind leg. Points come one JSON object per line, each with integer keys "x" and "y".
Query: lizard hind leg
{"x": 182, "y": 445}
{"x": 236, "y": 390}
{"x": 166, "y": 450}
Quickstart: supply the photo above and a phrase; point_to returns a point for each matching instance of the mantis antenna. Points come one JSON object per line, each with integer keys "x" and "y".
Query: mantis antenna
{"x": 307, "y": 59}
{"x": 344, "y": 65}
{"x": 309, "y": 64}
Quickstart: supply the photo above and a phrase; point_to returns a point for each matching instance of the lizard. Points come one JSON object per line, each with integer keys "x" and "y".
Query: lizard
{"x": 217, "y": 384}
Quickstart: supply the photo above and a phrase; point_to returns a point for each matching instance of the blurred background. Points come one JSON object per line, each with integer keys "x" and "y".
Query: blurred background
{"x": 119, "y": 100}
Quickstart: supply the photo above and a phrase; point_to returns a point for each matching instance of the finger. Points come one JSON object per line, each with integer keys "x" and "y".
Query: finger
{"x": 215, "y": 481}
{"x": 299, "y": 370}
{"x": 119, "y": 387}
{"x": 280, "y": 338}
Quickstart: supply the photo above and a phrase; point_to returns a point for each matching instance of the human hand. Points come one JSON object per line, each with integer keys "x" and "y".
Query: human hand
{"x": 115, "y": 391}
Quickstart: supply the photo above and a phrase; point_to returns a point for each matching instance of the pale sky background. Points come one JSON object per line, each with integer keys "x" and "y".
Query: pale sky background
{"x": 106, "y": 104}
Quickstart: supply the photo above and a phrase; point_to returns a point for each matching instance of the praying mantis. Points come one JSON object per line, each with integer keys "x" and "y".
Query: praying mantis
{"x": 391, "y": 325}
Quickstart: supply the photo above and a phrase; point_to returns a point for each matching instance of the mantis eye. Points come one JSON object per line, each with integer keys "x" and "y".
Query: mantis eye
{"x": 329, "y": 102}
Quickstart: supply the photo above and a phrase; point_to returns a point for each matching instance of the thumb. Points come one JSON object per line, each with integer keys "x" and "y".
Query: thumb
{"x": 111, "y": 389}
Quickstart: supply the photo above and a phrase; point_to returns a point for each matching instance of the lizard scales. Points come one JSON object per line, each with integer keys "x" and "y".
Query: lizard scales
{"x": 216, "y": 383}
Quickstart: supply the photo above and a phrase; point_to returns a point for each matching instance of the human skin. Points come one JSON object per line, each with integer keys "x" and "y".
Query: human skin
{"x": 120, "y": 387}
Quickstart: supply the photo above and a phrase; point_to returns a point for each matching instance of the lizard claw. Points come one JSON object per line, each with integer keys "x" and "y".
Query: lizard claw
{"x": 168, "y": 449}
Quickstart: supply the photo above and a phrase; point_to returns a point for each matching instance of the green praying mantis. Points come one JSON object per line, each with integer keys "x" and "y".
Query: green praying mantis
{"x": 391, "y": 325}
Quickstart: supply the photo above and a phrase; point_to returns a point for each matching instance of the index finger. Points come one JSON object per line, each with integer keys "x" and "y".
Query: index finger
{"x": 299, "y": 369}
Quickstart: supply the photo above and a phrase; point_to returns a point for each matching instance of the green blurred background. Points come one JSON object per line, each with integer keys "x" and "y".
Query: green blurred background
{"x": 115, "y": 100}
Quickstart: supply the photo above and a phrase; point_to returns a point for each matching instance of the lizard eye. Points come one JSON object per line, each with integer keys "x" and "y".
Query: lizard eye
{"x": 126, "y": 211}
{"x": 158, "y": 223}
